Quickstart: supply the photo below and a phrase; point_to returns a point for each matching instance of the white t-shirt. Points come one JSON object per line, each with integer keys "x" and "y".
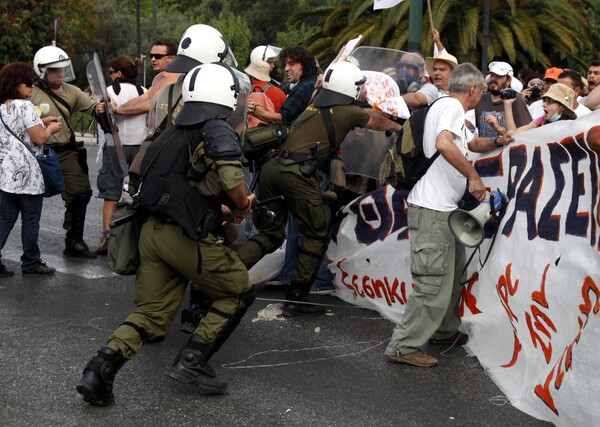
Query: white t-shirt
{"x": 582, "y": 110}
{"x": 536, "y": 109}
{"x": 132, "y": 129}
{"x": 442, "y": 187}
{"x": 20, "y": 172}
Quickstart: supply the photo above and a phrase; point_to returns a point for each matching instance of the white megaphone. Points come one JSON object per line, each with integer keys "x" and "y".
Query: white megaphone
{"x": 467, "y": 226}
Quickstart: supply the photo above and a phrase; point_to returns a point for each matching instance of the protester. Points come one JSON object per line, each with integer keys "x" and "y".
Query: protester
{"x": 437, "y": 258}
{"x": 132, "y": 131}
{"x": 259, "y": 79}
{"x": 593, "y": 78}
{"x": 491, "y": 108}
{"x": 54, "y": 97}
{"x": 292, "y": 174}
{"x": 574, "y": 80}
{"x": 533, "y": 89}
{"x": 21, "y": 179}
{"x": 439, "y": 68}
{"x": 301, "y": 69}
{"x": 557, "y": 105}
{"x": 550, "y": 77}
{"x": 162, "y": 52}
{"x": 170, "y": 256}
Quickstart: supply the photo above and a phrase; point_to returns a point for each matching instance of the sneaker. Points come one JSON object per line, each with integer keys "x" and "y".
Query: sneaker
{"x": 39, "y": 268}
{"x": 457, "y": 338}
{"x": 102, "y": 248}
{"x": 301, "y": 308}
{"x": 316, "y": 290}
{"x": 4, "y": 272}
{"x": 416, "y": 358}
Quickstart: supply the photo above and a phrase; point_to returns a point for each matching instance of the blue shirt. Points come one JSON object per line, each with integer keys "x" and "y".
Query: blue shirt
{"x": 297, "y": 100}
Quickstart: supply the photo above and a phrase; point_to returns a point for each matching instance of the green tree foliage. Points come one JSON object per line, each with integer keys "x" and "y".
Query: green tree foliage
{"x": 535, "y": 33}
{"x": 28, "y": 25}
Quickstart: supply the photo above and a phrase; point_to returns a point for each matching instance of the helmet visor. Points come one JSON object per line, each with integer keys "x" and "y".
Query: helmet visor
{"x": 60, "y": 71}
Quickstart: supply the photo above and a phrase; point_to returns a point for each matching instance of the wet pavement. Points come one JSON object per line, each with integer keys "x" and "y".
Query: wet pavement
{"x": 320, "y": 371}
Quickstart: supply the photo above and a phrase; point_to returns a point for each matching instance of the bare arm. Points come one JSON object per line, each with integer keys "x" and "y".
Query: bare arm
{"x": 379, "y": 121}
{"x": 263, "y": 114}
{"x": 414, "y": 99}
{"x": 483, "y": 145}
{"x": 593, "y": 99}
{"x": 135, "y": 106}
{"x": 445, "y": 145}
{"x": 39, "y": 135}
{"x": 435, "y": 35}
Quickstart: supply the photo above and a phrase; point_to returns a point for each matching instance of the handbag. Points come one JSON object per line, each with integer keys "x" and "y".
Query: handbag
{"x": 54, "y": 182}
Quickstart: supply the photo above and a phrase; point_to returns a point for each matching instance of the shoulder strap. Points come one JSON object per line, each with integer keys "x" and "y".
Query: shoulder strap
{"x": 266, "y": 87}
{"x": 162, "y": 147}
{"x": 326, "y": 116}
{"x": 15, "y": 135}
{"x": 54, "y": 98}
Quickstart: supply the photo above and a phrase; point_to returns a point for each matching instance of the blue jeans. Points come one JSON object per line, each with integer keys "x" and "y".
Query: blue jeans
{"x": 30, "y": 207}
{"x": 292, "y": 253}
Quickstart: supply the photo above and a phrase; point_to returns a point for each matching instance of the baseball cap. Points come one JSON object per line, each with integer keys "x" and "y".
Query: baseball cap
{"x": 553, "y": 73}
{"x": 501, "y": 68}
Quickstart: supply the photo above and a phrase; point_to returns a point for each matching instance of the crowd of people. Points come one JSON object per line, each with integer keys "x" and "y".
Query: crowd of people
{"x": 187, "y": 175}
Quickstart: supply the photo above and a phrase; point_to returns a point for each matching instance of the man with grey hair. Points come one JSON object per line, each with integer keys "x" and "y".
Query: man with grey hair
{"x": 437, "y": 258}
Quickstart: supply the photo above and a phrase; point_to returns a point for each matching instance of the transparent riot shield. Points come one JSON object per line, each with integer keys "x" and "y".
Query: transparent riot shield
{"x": 107, "y": 122}
{"x": 364, "y": 150}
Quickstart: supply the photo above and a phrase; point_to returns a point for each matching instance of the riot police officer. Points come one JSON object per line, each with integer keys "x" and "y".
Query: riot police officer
{"x": 181, "y": 241}
{"x": 313, "y": 138}
{"x": 54, "y": 97}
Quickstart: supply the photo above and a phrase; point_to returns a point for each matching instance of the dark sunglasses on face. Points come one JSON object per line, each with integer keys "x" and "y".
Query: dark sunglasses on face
{"x": 157, "y": 55}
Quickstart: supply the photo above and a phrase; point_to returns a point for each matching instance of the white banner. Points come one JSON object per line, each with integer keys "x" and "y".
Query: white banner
{"x": 385, "y": 4}
{"x": 533, "y": 312}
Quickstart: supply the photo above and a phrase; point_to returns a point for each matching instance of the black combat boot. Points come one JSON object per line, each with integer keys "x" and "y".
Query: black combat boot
{"x": 75, "y": 247}
{"x": 297, "y": 304}
{"x": 191, "y": 367}
{"x": 96, "y": 384}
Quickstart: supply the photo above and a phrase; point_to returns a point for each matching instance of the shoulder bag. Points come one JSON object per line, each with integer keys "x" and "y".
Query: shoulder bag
{"x": 54, "y": 182}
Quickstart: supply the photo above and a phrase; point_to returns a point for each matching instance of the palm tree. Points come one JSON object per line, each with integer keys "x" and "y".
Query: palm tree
{"x": 534, "y": 33}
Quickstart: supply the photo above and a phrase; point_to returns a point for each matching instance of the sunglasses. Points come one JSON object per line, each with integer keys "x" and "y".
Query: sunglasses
{"x": 158, "y": 55}
{"x": 28, "y": 83}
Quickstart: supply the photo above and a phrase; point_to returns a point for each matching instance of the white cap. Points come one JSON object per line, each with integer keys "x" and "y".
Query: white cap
{"x": 501, "y": 68}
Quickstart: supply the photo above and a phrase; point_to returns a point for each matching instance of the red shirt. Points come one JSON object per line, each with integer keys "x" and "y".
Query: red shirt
{"x": 276, "y": 95}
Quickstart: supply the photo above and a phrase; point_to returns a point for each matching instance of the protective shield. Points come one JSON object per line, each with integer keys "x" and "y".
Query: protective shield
{"x": 168, "y": 99}
{"x": 364, "y": 150}
{"x": 237, "y": 120}
{"x": 111, "y": 132}
{"x": 158, "y": 100}
{"x": 405, "y": 68}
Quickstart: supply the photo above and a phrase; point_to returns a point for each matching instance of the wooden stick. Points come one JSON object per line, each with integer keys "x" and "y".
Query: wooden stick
{"x": 429, "y": 14}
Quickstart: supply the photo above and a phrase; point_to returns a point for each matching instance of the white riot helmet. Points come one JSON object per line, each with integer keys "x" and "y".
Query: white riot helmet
{"x": 341, "y": 85}
{"x": 209, "y": 92}
{"x": 201, "y": 44}
{"x": 52, "y": 57}
{"x": 264, "y": 53}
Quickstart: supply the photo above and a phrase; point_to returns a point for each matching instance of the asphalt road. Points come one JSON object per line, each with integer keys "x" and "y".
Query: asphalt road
{"x": 323, "y": 371}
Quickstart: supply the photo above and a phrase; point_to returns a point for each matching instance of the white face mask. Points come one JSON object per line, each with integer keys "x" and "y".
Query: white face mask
{"x": 554, "y": 118}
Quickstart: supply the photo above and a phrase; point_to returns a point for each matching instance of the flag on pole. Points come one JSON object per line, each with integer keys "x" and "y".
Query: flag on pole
{"x": 385, "y": 4}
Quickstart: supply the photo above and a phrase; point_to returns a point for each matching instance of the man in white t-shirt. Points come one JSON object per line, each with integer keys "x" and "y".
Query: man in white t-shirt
{"x": 437, "y": 258}
{"x": 572, "y": 79}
